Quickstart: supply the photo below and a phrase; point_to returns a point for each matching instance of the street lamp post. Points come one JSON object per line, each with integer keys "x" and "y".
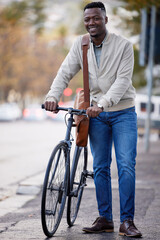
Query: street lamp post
{"x": 150, "y": 77}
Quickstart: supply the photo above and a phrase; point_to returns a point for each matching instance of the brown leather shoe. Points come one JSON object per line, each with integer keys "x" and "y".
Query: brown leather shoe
{"x": 100, "y": 225}
{"x": 127, "y": 228}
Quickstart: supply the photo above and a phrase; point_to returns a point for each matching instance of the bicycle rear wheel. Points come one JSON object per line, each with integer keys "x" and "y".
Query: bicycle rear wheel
{"x": 77, "y": 183}
{"x": 54, "y": 190}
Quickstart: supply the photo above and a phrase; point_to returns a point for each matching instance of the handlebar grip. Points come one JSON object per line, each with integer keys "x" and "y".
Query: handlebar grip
{"x": 81, "y": 111}
{"x": 43, "y": 106}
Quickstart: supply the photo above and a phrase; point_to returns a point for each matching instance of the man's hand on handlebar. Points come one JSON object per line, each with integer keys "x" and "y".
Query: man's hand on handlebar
{"x": 51, "y": 106}
{"x": 93, "y": 111}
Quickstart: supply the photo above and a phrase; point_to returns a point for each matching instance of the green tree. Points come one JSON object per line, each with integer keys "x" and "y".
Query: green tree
{"x": 138, "y": 73}
{"x": 138, "y": 4}
{"x": 80, "y": 28}
{"x": 27, "y": 64}
{"x": 38, "y": 17}
{"x": 26, "y": 12}
{"x": 134, "y": 24}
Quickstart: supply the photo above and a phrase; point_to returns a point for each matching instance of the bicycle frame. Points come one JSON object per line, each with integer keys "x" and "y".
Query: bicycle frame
{"x": 68, "y": 140}
{"x": 68, "y": 131}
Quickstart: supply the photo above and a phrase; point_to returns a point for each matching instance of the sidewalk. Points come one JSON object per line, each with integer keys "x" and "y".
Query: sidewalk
{"x": 26, "y": 224}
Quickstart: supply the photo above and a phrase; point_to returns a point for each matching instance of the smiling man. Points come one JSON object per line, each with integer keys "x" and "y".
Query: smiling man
{"x": 112, "y": 115}
{"x": 95, "y": 22}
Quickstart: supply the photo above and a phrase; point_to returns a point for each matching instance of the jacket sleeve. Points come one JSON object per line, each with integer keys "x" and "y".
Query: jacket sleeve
{"x": 69, "y": 67}
{"x": 123, "y": 78}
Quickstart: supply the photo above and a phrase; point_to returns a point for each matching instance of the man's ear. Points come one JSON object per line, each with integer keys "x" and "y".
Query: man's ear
{"x": 106, "y": 20}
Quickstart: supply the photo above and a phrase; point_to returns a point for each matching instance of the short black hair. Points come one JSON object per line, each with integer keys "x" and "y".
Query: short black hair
{"x": 95, "y": 5}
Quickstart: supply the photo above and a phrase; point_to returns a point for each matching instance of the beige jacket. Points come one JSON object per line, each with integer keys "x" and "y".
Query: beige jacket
{"x": 111, "y": 83}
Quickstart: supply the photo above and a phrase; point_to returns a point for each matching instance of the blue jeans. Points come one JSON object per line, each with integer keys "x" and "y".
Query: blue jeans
{"x": 119, "y": 127}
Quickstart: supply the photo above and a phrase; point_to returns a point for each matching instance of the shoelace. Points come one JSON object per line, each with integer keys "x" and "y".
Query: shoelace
{"x": 96, "y": 220}
{"x": 131, "y": 225}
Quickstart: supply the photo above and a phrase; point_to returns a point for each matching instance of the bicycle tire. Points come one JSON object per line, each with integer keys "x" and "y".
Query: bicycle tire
{"x": 77, "y": 178}
{"x": 55, "y": 189}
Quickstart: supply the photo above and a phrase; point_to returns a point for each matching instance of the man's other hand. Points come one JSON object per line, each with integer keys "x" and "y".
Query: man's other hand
{"x": 51, "y": 106}
{"x": 93, "y": 111}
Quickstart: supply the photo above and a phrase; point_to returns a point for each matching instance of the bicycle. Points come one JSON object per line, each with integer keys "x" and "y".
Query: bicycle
{"x": 60, "y": 182}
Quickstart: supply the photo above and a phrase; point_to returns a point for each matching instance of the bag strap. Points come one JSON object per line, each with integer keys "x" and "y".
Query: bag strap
{"x": 85, "y": 46}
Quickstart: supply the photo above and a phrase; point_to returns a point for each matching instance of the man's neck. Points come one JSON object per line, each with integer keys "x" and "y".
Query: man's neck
{"x": 98, "y": 40}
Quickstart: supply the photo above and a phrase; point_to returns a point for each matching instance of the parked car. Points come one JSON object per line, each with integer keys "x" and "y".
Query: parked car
{"x": 34, "y": 112}
{"x": 10, "y": 112}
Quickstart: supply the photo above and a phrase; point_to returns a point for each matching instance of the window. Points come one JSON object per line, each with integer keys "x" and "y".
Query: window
{"x": 144, "y": 107}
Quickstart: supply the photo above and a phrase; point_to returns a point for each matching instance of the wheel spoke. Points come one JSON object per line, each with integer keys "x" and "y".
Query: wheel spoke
{"x": 77, "y": 184}
{"x": 49, "y": 212}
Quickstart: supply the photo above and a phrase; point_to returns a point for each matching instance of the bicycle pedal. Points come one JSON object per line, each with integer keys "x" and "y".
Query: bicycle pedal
{"x": 88, "y": 174}
{"x": 84, "y": 185}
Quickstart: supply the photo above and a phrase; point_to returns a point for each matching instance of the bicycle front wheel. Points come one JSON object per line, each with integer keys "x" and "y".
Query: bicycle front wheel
{"x": 77, "y": 183}
{"x": 54, "y": 190}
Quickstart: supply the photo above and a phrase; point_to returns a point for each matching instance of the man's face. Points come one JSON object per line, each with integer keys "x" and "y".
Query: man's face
{"x": 95, "y": 21}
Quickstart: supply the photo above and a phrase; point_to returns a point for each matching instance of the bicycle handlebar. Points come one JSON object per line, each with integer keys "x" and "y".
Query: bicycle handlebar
{"x": 70, "y": 110}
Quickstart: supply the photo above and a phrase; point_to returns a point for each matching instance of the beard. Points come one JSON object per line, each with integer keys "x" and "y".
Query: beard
{"x": 94, "y": 35}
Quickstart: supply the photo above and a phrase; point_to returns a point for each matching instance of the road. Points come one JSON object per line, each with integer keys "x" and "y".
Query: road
{"x": 25, "y": 147}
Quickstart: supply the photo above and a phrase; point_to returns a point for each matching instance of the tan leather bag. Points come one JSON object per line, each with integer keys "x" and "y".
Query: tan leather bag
{"x": 81, "y": 122}
{"x": 82, "y": 100}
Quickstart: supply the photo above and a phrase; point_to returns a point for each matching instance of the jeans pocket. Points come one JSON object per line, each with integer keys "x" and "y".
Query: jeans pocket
{"x": 101, "y": 115}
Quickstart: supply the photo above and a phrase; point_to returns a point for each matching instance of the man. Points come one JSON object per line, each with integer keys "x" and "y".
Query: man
{"x": 112, "y": 115}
